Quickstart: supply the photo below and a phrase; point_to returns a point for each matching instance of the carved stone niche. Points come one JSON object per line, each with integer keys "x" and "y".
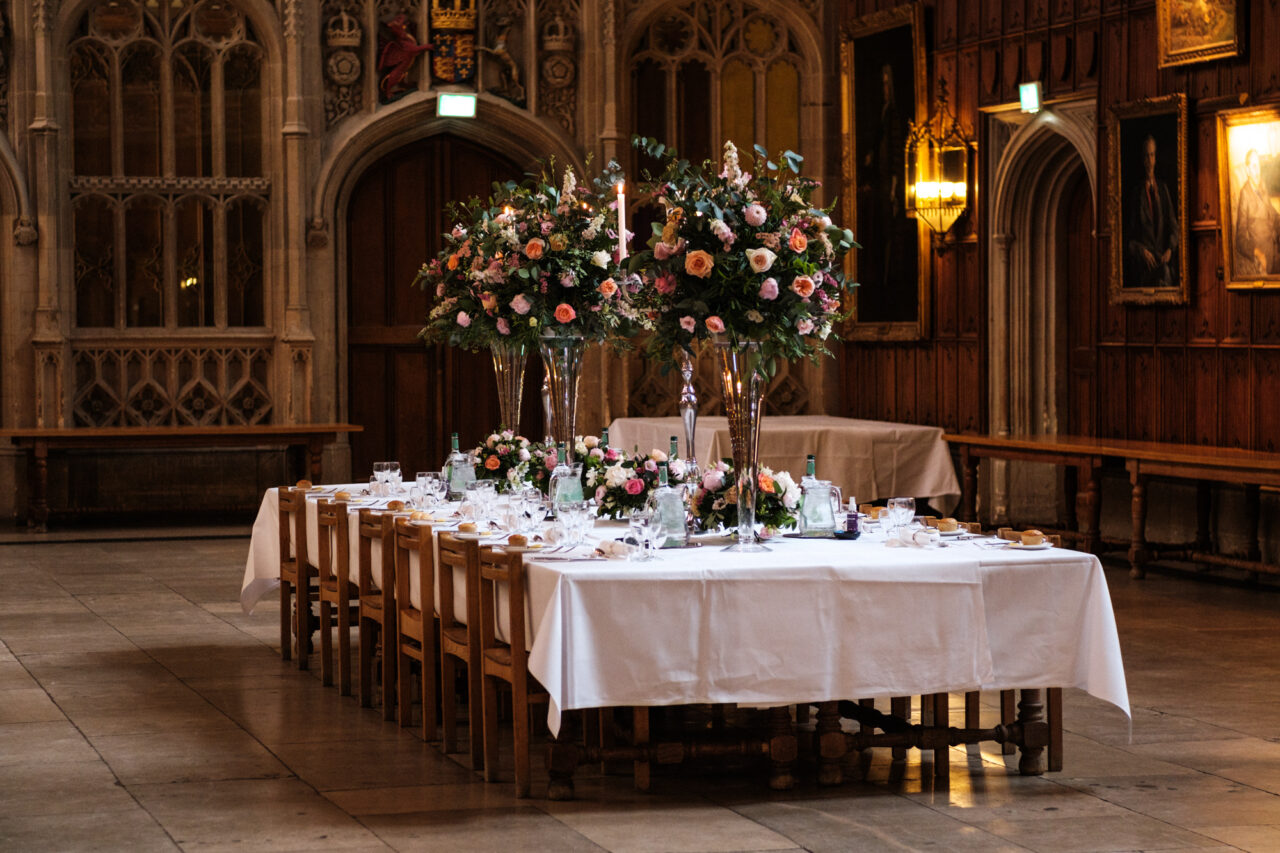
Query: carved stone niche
{"x": 557, "y": 84}
{"x": 342, "y": 66}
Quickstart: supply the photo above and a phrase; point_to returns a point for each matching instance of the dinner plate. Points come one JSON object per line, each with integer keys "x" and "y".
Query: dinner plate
{"x": 958, "y": 531}
{"x": 477, "y": 535}
{"x": 1041, "y": 547}
{"x": 520, "y": 549}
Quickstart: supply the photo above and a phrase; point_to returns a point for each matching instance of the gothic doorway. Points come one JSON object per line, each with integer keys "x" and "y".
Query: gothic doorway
{"x": 409, "y": 396}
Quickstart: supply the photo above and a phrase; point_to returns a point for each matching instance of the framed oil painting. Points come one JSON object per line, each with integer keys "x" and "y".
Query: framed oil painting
{"x": 1147, "y": 209}
{"x": 1249, "y": 196}
{"x": 883, "y": 88}
{"x": 1196, "y": 30}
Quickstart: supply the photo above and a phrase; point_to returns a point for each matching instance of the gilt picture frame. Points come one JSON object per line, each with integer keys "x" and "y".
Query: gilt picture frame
{"x": 1249, "y": 197}
{"x": 884, "y": 87}
{"x": 1196, "y": 30}
{"x": 1147, "y": 201}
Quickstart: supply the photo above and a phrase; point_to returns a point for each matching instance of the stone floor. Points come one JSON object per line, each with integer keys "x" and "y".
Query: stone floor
{"x": 140, "y": 709}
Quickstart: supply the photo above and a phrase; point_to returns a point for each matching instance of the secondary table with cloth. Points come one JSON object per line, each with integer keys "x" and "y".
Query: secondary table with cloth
{"x": 869, "y": 460}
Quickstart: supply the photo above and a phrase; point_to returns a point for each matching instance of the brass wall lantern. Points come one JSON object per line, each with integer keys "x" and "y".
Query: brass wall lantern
{"x": 937, "y": 157}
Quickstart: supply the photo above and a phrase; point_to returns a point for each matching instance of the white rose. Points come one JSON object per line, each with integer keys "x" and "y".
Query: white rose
{"x": 615, "y": 476}
{"x": 591, "y": 477}
{"x": 524, "y": 454}
{"x": 580, "y": 447}
{"x": 591, "y": 441}
{"x": 760, "y": 259}
{"x": 601, "y": 259}
{"x": 677, "y": 468}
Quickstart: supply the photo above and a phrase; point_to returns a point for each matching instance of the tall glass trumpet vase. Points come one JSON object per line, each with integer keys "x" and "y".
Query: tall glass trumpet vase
{"x": 562, "y": 358}
{"x": 742, "y": 380}
{"x": 689, "y": 412}
{"x": 508, "y": 368}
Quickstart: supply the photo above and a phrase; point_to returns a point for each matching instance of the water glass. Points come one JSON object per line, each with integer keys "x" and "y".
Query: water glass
{"x": 901, "y": 511}
{"x": 645, "y": 526}
{"x": 428, "y": 486}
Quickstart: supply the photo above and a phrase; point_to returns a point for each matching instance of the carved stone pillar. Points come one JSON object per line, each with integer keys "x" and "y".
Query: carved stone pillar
{"x": 294, "y": 376}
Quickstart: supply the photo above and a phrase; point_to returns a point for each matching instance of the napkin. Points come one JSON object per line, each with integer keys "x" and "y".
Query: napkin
{"x": 613, "y": 549}
{"x": 905, "y": 537}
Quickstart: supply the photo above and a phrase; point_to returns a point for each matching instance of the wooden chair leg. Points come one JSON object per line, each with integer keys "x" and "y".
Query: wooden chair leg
{"x": 303, "y": 616}
{"x": 972, "y": 709}
{"x": 1054, "y": 711}
{"x": 1008, "y": 715}
{"x": 430, "y": 730}
{"x": 941, "y": 717}
{"x": 900, "y": 706}
{"x": 404, "y": 702}
{"x": 326, "y": 644}
{"x": 367, "y": 633}
{"x": 489, "y": 722}
{"x": 286, "y": 620}
{"x": 520, "y": 729}
{"x": 475, "y": 716}
{"x": 344, "y": 649}
{"x": 448, "y": 704}
{"x": 390, "y": 639}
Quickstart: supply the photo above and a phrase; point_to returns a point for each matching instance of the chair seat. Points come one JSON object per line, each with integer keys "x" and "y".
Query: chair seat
{"x": 455, "y": 635}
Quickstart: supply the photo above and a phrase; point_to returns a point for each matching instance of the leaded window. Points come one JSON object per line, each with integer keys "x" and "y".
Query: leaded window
{"x": 168, "y": 194}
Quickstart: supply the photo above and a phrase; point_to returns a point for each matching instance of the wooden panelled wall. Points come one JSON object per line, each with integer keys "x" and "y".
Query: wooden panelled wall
{"x": 1204, "y": 373}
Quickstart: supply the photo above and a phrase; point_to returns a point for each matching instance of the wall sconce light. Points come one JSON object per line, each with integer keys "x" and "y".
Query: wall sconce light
{"x": 937, "y": 155}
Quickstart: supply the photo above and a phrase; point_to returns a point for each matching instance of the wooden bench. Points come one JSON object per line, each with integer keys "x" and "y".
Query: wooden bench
{"x": 38, "y": 442}
{"x": 1142, "y": 459}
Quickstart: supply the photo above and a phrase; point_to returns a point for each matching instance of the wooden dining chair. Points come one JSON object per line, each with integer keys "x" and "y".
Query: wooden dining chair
{"x": 416, "y": 626}
{"x": 506, "y": 662}
{"x": 295, "y": 574}
{"x": 459, "y": 641}
{"x": 377, "y": 608}
{"x": 336, "y": 590}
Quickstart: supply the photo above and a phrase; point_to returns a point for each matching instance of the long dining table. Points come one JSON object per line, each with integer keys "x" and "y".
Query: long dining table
{"x": 807, "y": 621}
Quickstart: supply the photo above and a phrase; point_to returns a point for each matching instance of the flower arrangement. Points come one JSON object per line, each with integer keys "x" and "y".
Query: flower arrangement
{"x": 531, "y": 258}
{"x": 715, "y": 501}
{"x": 625, "y": 483}
{"x": 504, "y": 457}
{"x": 741, "y": 254}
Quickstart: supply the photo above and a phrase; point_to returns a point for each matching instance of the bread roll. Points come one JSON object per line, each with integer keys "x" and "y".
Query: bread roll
{"x": 304, "y": 484}
{"x": 518, "y": 540}
{"x": 419, "y": 515}
{"x": 946, "y": 525}
{"x": 395, "y": 506}
{"x": 467, "y": 527}
{"x": 1032, "y": 537}
{"x": 342, "y": 496}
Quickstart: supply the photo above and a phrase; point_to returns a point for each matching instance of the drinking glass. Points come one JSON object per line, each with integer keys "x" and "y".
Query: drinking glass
{"x": 901, "y": 511}
{"x": 640, "y": 522}
{"x": 426, "y": 489}
{"x": 379, "y": 479}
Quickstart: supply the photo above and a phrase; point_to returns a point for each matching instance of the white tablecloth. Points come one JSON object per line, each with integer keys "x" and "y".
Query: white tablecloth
{"x": 821, "y": 620}
{"x": 868, "y": 460}
{"x": 810, "y": 620}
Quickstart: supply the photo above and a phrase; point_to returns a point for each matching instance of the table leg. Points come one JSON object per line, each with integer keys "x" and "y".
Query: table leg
{"x": 1053, "y": 700}
{"x": 900, "y": 706}
{"x": 942, "y": 718}
{"x": 972, "y": 708}
{"x": 563, "y": 757}
{"x": 1008, "y": 715}
{"x": 640, "y": 737}
{"x": 782, "y": 749}
{"x": 832, "y": 745}
{"x": 1138, "y": 533}
{"x": 1030, "y": 712}
{"x": 969, "y": 485}
{"x": 1092, "y": 511}
{"x": 38, "y": 512}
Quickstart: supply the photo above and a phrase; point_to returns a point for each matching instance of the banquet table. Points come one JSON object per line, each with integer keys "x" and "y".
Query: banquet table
{"x": 868, "y": 460}
{"x": 806, "y": 621}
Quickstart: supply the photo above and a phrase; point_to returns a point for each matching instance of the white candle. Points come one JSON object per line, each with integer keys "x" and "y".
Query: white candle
{"x": 622, "y": 222}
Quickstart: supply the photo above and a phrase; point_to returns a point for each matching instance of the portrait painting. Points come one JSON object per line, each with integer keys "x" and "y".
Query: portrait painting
{"x": 1147, "y": 210}
{"x": 1196, "y": 30}
{"x": 883, "y": 91}
{"x": 1249, "y": 196}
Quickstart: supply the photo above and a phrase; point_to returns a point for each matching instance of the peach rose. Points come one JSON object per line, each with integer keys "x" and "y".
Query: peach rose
{"x": 491, "y": 463}
{"x": 797, "y": 241}
{"x": 608, "y": 287}
{"x": 715, "y": 324}
{"x": 565, "y": 313}
{"x": 698, "y": 263}
{"x": 802, "y": 286}
{"x": 533, "y": 249}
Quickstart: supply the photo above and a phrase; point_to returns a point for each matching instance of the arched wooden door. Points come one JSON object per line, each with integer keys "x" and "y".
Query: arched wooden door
{"x": 409, "y": 397}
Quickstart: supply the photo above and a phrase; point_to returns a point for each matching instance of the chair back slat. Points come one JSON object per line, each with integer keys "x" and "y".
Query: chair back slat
{"x": 333, "y": 537}
{"x": 454, "y": 554}
{"x": 413, "y": 537}
{"x": 499, "y": 567}
{"x": 292, "y": 518}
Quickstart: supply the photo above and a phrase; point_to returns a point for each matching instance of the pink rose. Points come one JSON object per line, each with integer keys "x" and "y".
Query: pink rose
{"x": 712, "y": 480}
{"x": 754, "y": 214}
{"x": 521, "y": 304}
{"x": 798, "y": 242}
{"x": 665, "y": 284}
{"x": 504, "y": 328}
{"x": 600, "y": 493}
{"x": 760, "y": 259}
{"x": 715, "y": 324}
{"x": 651, "y": 466}
{"x": 699, "y": 263}
{"x": 802, "y": 286}
{"x": 635, "y": 486}
{"x": 688, "y": 324}
{"x": 804, "y": 326}
{"x": 565, "y": 313}
{"x": 464, "y": 319}
{"x": 769, "y": 288}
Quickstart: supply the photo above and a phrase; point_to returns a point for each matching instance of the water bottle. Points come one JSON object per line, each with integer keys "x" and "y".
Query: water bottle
{"x": 459, "y": 470}
{"x": 669, "y": 506}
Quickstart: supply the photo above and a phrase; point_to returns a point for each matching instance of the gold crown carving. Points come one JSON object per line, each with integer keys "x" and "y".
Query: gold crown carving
{"x": 343, "y": 31}
{"x": 557, "y": 35}
{"x": 453, "y": 14}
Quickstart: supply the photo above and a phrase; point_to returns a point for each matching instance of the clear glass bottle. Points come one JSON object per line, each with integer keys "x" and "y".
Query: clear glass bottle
{"x": 566, "y": 479}
{"x": 669, "y": 505}
{"x": 604, "y": 438}
{"x": 459, "y": 470}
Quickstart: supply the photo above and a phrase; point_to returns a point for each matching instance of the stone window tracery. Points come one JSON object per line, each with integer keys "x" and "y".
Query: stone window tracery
{"x": 705, "y": 71}
{"x": 168, "y": 197}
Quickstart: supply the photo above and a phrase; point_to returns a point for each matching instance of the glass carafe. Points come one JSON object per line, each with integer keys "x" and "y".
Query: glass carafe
{"x": 821, "y": 507}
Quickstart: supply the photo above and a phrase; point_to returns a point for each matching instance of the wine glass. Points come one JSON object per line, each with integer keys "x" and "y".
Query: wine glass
{"x": 641, "y": 524}
{"x": 393, "y": 478}
{"x": 901, "y": 511}
{"x": 377, "y": 483}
